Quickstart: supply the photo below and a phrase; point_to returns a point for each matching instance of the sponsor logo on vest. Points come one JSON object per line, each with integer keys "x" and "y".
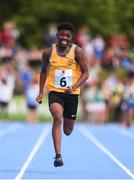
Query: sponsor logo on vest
{"x": 73, "y": 115}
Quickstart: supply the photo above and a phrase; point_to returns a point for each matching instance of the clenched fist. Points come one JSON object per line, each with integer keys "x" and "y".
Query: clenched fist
{"x": 69, "y": 90}
{"x": 39, "y": 98}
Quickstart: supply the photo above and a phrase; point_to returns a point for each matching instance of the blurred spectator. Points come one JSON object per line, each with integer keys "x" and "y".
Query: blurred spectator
{"x": 125, "y": 61}
{"x": 9, "y": 33}
{"x": 99, "y": 45}
{"x": 15, "y": 31}
{"x": 109, "y": 59}
{"x": 32, "y": 106}
{"x": 123, "y": 42}
{"x": 6, "y": 54}
{"x": 7, "y": 84}
{"x": 93, "y": 73}
{"x": 113, "y": 89}
{"x": 116, "y": 100}
{"x": 128, "y": 104}
{"x": 50, "y": 37}
{"x": 21, "y": 58}
{"x": 6, "y": 34}
{"x": 94, "y": 104}
{"x": 112, "y": 41}
{"x": 83, "y": 36}
{"x": 89, "y": 52}
{"x": 26, "y": 75}
{"x": 34, "y": 58}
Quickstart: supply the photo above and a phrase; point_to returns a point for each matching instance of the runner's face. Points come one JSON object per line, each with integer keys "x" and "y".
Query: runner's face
{"x": 65, "y": 37}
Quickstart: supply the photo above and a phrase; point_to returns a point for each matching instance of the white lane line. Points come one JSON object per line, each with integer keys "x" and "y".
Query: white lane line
{"x": 93, "y": 139}
{"x": 39, "y": 142}
{"x": 9, "y": 129}
{"x": 124, "y": 132}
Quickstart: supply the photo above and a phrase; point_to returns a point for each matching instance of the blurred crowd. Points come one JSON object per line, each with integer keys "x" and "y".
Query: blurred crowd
{"x": 108, "y": 94}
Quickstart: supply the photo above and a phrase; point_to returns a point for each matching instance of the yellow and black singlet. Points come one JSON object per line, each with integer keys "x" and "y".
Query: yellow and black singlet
{"x": 64, "y": 70}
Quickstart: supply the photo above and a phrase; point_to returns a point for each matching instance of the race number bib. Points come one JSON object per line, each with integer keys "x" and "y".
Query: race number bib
{"x": 63, "y": 78}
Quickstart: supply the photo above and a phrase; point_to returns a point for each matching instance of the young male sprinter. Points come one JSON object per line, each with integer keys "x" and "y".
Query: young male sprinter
{"x": 64, "y": 66}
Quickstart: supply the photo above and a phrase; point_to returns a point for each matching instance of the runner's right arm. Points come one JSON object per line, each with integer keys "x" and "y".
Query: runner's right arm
{"x": 43, "y": 73}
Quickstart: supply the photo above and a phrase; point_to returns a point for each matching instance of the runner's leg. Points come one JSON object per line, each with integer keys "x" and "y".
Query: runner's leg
{"x": 68, "y": 125}
{"x": 56, "y": 110}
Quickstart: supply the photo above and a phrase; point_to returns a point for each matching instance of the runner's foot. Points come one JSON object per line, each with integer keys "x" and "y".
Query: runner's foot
{"x": 58, "y": 161}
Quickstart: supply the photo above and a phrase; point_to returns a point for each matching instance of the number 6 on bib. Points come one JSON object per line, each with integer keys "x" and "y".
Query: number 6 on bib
{"x": 63, "y": 78}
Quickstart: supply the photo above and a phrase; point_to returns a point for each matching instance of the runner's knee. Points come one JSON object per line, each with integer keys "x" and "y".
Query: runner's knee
{"x": 57, "y": 120}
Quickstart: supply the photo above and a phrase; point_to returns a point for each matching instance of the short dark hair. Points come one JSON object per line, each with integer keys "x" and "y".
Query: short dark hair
{"x": 66, "y": 26}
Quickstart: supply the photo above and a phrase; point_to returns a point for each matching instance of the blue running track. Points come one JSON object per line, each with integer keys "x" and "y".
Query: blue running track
{"x": 91, "y": 152}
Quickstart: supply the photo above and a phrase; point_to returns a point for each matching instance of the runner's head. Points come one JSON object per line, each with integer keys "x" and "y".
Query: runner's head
{"x": 65, "y": 34}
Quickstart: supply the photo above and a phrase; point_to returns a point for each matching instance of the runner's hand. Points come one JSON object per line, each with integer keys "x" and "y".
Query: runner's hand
{"x": 39, "y": 98}
{"x": 69, "y": 90}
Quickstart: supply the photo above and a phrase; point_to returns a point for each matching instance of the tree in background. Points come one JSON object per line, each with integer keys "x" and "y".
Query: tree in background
{"x": 34, "y": 16}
